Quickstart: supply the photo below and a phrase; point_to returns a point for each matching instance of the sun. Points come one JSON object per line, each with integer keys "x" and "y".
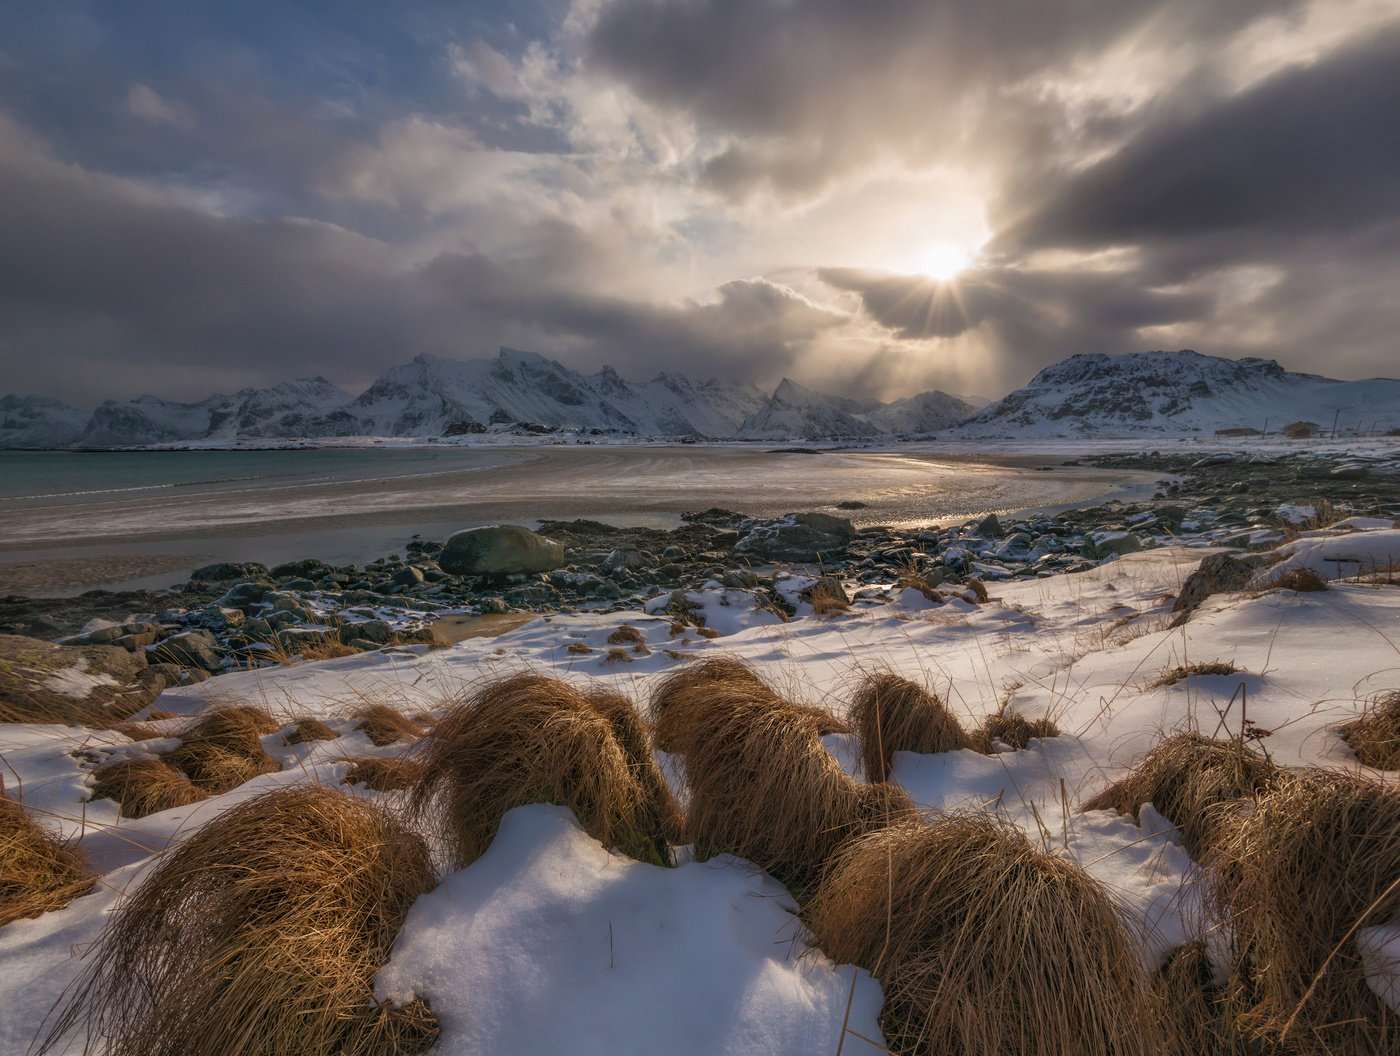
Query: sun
{"x": 942, "y": 260}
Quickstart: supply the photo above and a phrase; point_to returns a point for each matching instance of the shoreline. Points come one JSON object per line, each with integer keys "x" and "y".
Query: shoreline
{"x": 353, "y": 521}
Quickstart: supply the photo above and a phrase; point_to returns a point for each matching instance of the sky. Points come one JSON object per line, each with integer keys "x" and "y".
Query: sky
{"x": 872, "y": 197}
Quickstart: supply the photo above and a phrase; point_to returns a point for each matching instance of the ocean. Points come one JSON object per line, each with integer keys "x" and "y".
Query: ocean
{"x": 72, "y": 520}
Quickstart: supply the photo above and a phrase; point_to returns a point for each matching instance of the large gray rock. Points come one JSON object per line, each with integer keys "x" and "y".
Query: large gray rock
{"x": 43, "y": 682}
{"x": 499, "y": 550}
{"x": 798, "y": 537}
{"x": 1218, "y": 574}
{"x": 191, "y": 649}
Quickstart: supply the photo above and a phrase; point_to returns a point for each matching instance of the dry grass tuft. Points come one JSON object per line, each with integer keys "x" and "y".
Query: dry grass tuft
{"x": 892, "y": 714}
{"x": 617, "y": 656}
{"x": 1011, "y": 729}
{"x": 1300, "y": 579}
{"x": 1193, "y": 782}
{"x": 762, "y": 786}
{"x": 1316, "y": 859}
{"x": 579, "y": 648}
{"x": 707, "y": 632}
{"x": 261, "y": 934}
{"x": 984, "y": 945}
{"x": 532, "y": 739}
{"x": 144, "y": 786}
{"x": 910, "y": 576}
{"x": 384, "y": 775}
{"x": 38, "y": 871}
{"x": 223, "y": 748}
{"x": 136, "y": 731}
{"x": 978, "y": 588}
{"x": 826, "y": 602}
{"x": 626, "y": 635}
{"x": 328, "y": 650}
{"x": 658, "y": 812}
{"x": 1375, "y": 736}
{"x": 1172, "y": 676}
{"x": 384, "y": 725}
{"x": 308, "y": 729}
{"x": 1194, "y": 1006}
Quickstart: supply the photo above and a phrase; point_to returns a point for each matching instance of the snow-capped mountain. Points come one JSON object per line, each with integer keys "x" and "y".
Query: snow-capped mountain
{"x": 424, "y": 397}
{"x": 797, "y": 413}
{"x": 1181, "y": 392}
{"x": 927, "y": 412}
{"x": 293, "y": 408}
{"x": 39, "y": 421}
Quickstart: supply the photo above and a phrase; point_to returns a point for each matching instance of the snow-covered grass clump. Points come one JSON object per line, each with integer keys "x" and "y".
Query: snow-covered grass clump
{"x": 1237, "y": 876}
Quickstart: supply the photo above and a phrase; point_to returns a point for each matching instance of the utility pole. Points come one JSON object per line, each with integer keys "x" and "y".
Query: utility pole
{"x": 1334, "y": 422}
{"x": 1266, "y": 427}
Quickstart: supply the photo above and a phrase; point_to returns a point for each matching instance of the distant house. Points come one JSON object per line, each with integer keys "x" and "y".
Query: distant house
{"x": 1238, "y": 431}
{"x": 1300, "y": 430}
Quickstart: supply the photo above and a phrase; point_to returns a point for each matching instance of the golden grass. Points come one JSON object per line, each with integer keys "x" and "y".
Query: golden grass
{"x": 1299, "y": 579}
{"x": 38, "y": 871}
{"x": 826, "y": 602}
{"x": 1194, "y": 782}
{"x": 978, "y": 588}
{"x": 136, "y": 731}
{"x": 1375, "y": 736}
{"x": 762, "y": 786}
{"x": 910, "y": 576}
{"x": 531, "y": 739}
{"x": 383, "y": 775}
{"x": 1317, "y": 858}
{"x": 658, "y": 812}
{"x": 1196, "y": 1008}
{"x": 384, "y": 725}
{"x": 892, "y": 714}
{"x": 1013, "y": 730}
{"x": 617, "y": 656}
{"x": 984, "y": 945}
{"x": 144, "y": 786}
{"x": 222, "y": 749}
{"x": 308, "y": 729}
{"x": 578, "y": 648}
{"x": 625, "y": 635}
{"x": 328, "y": 650}
{"x": 1171, "y": 676}
{"x": 261, "y": 934}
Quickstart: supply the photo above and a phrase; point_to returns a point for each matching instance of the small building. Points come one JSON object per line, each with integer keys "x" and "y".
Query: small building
{"x": 1238, "y": 431}
{"x": 1300, "y": 430}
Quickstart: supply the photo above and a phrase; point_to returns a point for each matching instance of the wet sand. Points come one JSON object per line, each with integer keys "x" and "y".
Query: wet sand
{"x": 68, "y": 545}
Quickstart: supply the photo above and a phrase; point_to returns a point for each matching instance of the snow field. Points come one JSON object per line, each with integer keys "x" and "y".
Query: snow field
{"x": 512, "y": 951}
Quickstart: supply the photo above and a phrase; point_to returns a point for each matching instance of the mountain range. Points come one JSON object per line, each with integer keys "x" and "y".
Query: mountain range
{"x": 515, "y": 391}
{"x": 1141, "y": 393}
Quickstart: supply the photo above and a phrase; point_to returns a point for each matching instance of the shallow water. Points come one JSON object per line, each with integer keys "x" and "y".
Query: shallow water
{"x": 349, "y": 506}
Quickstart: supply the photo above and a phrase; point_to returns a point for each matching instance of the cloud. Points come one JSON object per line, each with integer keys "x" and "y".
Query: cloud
{"x": 111, "y": 290}
{"x": 1308, "y": 150}
{"x": 144, "y": 102}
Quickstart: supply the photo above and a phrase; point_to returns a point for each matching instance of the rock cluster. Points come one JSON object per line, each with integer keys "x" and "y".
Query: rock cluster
{"x": 232, "y": 616}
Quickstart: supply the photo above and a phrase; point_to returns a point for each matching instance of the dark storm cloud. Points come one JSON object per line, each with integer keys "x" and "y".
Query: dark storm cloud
{"x": 1307, "y": 151}
{"x": 804, "y": 90}
{"x": 1094, "y": 307}
{"x": 106, "y": 289}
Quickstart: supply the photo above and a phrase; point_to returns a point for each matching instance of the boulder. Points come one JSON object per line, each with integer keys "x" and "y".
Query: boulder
{"x": 408, "y": 576}
{"x": 1218, "y": 574}
{"x": 226, "y": 570}
{"x": 44, "y": 682}
{"x": 798, "y": 537}
{"x": 828, "y": 585}
{"x": 309, "y": 567}
{"x": 375, "y": 631}
{"x": 241, "y": 595}
{"x": 625, "y": 560}
{"x": 191, "y": 649}
{"x": 1099, "y": 545}
{"x": 741, "y": 577}
{"x": 990, "y": 527}
{"x": 498, "y": 550}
